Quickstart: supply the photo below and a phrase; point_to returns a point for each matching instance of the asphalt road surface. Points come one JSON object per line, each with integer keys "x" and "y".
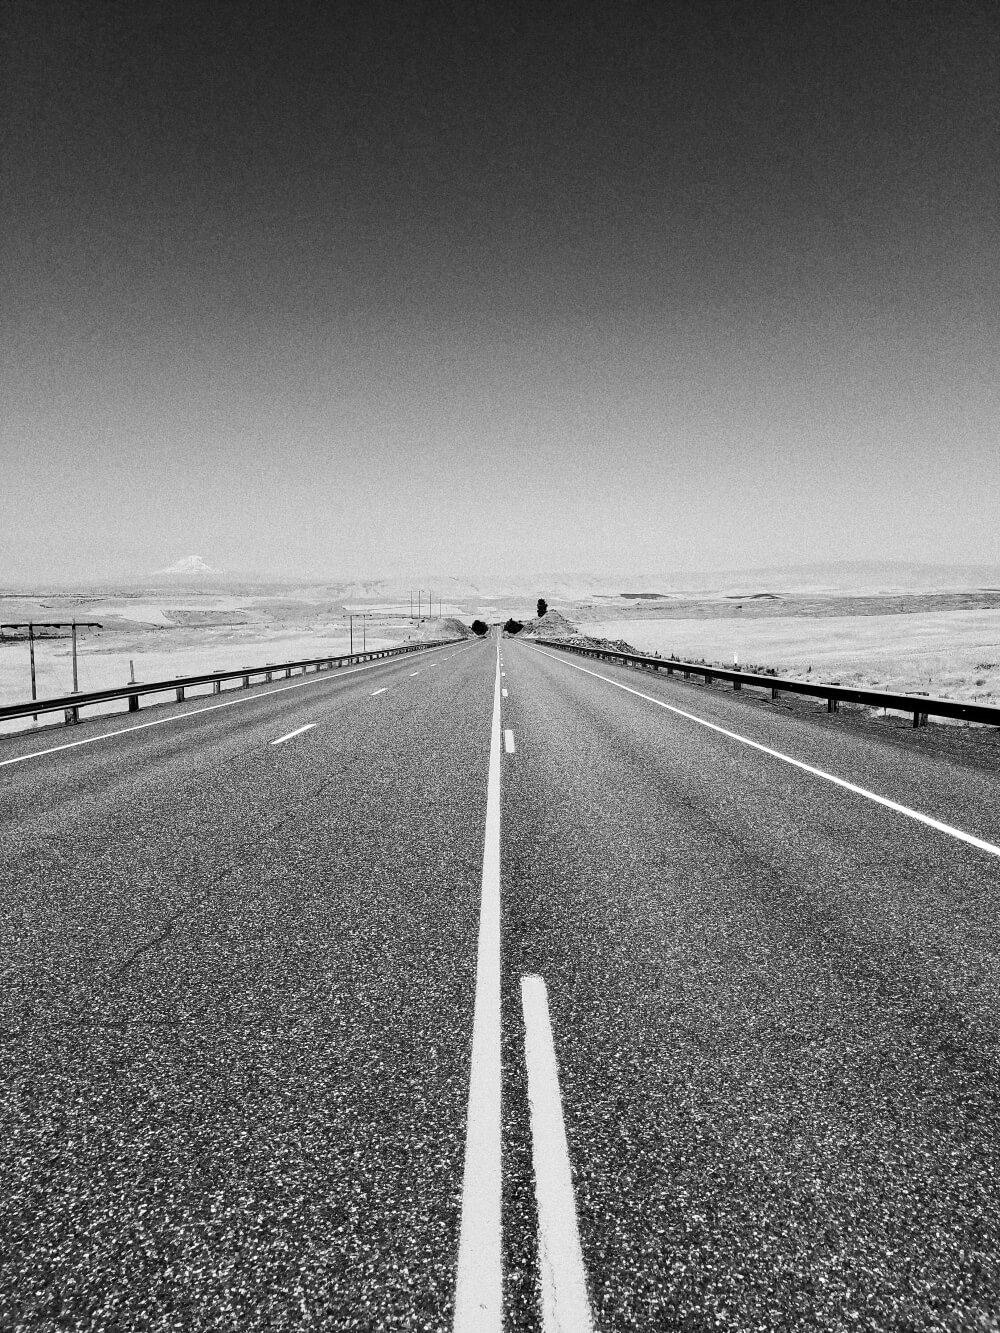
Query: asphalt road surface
{"x": 419, "y": 996}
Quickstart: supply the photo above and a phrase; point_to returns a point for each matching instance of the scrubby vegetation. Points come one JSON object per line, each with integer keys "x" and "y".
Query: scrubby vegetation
{"x": 543, "y": 606}
{"x": 513, "y": 626}
{"x": 479, "y": 627}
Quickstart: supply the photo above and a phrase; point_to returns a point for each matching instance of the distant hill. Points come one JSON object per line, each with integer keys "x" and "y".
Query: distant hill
{"x": 567, "y": 586}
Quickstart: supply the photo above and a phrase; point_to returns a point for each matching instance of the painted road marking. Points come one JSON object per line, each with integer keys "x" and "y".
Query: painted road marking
{"x": 504, "y": 692}
{"x": 565, "y": 1304}
{"x": 478, "y": 1288}
{"x": 921, "y": 818}
{"x": 381, "y": 691}
{"x": 414, "y": 673}
{"x": 297, "y": 732}
{"x": 319, "y": 676}
{"x": 508, "y": 741}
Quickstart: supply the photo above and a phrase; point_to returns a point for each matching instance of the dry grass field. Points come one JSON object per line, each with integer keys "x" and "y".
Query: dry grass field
{"x": 952, "y": 653}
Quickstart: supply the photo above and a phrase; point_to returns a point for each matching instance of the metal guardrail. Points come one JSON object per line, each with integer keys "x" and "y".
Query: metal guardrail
{"x": 921, "y": 706}
{"x": 70, "y": 704}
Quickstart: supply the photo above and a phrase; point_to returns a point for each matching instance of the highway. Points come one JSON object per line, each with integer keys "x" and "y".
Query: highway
{"x": 422, "y": 996}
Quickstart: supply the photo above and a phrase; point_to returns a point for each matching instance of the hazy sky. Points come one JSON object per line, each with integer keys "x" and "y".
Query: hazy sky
{"x": 324, "y": 288}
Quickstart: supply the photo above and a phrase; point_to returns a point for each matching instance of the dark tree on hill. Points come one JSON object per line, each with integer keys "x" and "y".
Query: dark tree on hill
{"x": 479, "y": 627}
{"x": 543, "y": 606}
{"x": 513, "y": 626}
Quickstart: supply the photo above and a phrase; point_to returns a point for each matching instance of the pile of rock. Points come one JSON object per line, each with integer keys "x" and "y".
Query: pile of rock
{"x": 609, "y": 645}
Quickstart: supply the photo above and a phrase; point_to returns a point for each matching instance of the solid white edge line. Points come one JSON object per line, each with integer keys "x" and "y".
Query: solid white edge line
{"x": 508, "y": 741}
{"x": 906, "y": 810}
{"x": 478, "y": 1281}
{"x": 565, "y": 1303}
{"x": 316, "y": 678}
{"x": 297, "y": 732}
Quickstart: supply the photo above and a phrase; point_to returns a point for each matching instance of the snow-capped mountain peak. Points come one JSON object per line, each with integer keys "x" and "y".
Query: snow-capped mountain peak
{"x": 190, "y": 564}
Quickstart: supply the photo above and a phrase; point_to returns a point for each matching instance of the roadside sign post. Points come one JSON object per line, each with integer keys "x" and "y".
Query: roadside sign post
{"x": 363, "y": 617}
{"x": 32, "y": 625}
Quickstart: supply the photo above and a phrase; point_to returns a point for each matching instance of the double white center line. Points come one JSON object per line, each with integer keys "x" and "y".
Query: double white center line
{"x": 479, "y": 1279}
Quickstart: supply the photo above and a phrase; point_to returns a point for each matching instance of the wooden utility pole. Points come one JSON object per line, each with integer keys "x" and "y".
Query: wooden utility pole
{"x": 31, "y": 655}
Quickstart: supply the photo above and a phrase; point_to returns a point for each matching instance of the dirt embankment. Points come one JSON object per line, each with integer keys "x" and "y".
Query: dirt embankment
{"x": 553, "y": 625}
{"x": 443, "y": 627}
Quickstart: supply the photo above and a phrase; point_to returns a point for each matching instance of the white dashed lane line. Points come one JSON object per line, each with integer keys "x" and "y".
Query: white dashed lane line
{"x": 192, "y": 712}
{"x": 381, "y": 691}
{"x": 508, "y": 741}
{"x": 297, "y": 732}
{"x": 504, "y": 693}
{"x": 565, "y": 1304}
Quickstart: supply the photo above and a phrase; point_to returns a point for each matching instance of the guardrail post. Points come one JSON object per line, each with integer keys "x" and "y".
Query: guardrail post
{"x": 737, "y": 685}
{"x": 832, "y": 704}
{"x": 774, "y": 694}
{"x": 72, "y": 716}
{"x": 708, "y": 677}
{"x": 920, "y": 719}
{"x": 180, "y": 694}
{"x": 267, "y": 675}
{"x": 216, "y": 686}
{"x": 133, "y": 703}
{"x": 246, "y": 682}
